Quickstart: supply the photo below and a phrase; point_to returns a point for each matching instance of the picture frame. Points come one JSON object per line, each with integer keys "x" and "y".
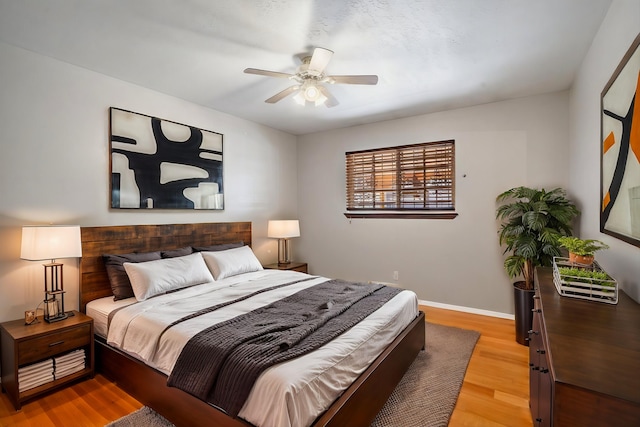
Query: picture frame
{"x": 620, "y": 150}
{"x": 29, "y": 317}
{"x": 161, "y": 164}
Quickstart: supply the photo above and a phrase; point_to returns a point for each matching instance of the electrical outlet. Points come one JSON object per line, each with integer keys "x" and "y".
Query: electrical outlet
{"x": 395, "y": 275}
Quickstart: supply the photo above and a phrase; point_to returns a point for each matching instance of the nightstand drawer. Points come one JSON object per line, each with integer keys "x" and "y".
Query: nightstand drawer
{"x": 42, "y": 347}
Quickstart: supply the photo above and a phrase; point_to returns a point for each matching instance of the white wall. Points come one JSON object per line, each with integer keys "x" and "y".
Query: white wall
{"x": 457, "y": 262}
{"x": 54, "y": 164}
{"x": 617, "y": 32}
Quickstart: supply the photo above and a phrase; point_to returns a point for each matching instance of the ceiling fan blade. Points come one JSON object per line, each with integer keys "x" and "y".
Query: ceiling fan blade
{"x": 354, "y": 80}
{"x": 331, "y": 100}
{"x": 319, "y": 60}
{"x": 267, "y": 73}
{"x": 283, "y": 94}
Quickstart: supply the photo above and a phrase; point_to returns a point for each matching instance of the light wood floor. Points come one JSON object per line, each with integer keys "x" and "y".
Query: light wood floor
{"x": 495, "y": 391}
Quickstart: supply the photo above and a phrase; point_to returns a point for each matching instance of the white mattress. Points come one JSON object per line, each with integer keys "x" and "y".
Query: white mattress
{"x": 290, "y": 394}
{"x": 100, "y": 309}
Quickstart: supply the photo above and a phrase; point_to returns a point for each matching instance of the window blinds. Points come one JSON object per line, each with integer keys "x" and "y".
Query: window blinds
{"x": 410, "y": 177}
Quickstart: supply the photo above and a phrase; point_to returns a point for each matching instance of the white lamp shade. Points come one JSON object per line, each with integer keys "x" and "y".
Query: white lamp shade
{"x": 283, "y": 229}
{"x": 50, "y": 242}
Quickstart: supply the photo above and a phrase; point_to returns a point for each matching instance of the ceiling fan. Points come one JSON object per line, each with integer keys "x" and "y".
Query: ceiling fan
{"x": 309, "y": 80}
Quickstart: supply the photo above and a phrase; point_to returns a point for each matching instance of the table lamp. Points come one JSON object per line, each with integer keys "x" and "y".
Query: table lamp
{"x": 283, "y": 230}
{"x": 51, "y": 243}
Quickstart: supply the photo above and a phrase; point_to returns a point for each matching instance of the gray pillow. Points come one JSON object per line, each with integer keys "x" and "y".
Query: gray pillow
{"x": 120, "y": 284}
{"x": 177, "y": 252}
{"x": 216, "y": 248}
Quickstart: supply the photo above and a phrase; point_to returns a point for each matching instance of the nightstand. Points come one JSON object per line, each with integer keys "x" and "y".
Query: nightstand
{"x": 27, "y": 345}
{"x": 295, "y": 266}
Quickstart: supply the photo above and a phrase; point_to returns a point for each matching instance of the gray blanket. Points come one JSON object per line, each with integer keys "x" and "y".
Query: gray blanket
{"x": 221, "y": 363}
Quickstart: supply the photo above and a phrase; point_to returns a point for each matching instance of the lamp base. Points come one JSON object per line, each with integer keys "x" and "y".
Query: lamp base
{"x": 57, "y": 318}
{"x": 284, "y": 252}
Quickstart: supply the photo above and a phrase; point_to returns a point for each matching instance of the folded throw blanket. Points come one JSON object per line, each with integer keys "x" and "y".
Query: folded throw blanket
{"x": 221, "y": 363}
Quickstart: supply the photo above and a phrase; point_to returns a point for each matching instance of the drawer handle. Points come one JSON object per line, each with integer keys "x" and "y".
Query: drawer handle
{"x": 53, "y": 344}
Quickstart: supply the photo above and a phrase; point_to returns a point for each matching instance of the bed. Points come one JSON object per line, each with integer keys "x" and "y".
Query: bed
{"x": 356, "y": 406}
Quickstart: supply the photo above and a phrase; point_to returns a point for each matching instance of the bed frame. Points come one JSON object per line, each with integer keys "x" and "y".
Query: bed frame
{"x": 357, "y": 406}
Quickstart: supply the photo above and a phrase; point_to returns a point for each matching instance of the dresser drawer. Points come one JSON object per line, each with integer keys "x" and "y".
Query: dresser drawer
{"x": 35, "y": 349}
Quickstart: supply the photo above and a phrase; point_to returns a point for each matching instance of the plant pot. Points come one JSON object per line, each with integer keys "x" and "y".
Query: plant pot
{"x": 523, "y": 303}
{"x": 580, "y": 259}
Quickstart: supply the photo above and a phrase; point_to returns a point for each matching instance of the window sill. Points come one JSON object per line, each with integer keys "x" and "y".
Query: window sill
{"x": 397, "y": 215}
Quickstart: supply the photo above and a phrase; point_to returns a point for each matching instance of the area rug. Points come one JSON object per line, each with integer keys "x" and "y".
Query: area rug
{"x": 429, "y": 390}
{"x": 425, "y": 396}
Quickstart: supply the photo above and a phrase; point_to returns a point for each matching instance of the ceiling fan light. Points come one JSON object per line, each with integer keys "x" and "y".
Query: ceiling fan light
{"x": 299, "y": 98}
{"x": 311, "y": 93}
{"x": 321, "y": 100}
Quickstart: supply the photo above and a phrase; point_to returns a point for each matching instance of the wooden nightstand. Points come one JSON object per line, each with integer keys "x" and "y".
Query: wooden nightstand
{"x": 295, "y": 266}
{"x": 24, "y": 345}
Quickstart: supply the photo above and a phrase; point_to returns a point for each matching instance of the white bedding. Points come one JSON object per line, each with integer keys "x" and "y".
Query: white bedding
{"x": 100, "y": 309}
{"x": 290, "y": 394}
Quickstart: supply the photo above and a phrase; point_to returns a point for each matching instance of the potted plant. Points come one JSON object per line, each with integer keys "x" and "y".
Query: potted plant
{"x": 581, "y": 251}
{"x": 590, "y": 277}
{"x": 532, "y": 220}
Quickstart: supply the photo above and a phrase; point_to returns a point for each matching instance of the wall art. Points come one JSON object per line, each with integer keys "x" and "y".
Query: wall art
{"x": 160, "y": 164}
{"x": 620, "y": 150}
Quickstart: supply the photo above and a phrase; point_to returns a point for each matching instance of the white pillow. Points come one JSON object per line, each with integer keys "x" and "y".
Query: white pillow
{"x": 161, "y": 276}
{"x": 231, "y": 262}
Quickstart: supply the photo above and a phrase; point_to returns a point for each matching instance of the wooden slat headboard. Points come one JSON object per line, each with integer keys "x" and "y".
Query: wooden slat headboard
{"x": 121, "y": 239}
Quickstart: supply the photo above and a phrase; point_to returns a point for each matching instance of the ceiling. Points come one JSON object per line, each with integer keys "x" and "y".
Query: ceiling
{"x": 430, "y": 55}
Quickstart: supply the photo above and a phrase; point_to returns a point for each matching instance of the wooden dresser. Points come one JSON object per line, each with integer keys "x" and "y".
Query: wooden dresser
{"x": 584, "y": 358}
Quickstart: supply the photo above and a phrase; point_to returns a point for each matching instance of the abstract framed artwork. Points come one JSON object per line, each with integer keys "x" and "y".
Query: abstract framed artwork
{"x": 160, "y": 164}
{"x": 620, "y": 150}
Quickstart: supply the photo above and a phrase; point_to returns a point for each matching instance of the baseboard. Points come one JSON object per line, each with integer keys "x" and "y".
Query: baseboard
{"x": 467, "y": 309}
{"x": 454, "y": 307}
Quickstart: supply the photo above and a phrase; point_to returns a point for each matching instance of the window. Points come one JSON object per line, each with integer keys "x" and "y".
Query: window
{"x": 410, "y": 177}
